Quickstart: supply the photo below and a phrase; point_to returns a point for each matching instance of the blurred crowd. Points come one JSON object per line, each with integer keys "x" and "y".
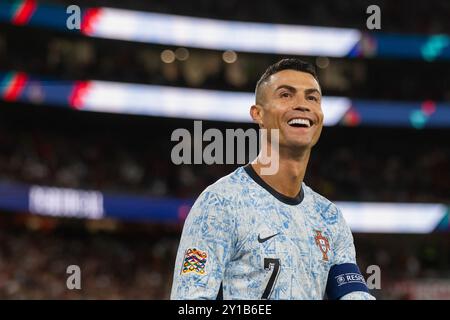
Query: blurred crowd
{"x": 33, "y": 263}
{"x": 344, "y": 165}
{"x": 411, "y": 266}
{"x": 35, "y": 254}
{"x": 383, "y": 168}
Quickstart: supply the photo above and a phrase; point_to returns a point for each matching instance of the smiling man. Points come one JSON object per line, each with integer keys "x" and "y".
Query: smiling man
{"x": 256, "y": 236}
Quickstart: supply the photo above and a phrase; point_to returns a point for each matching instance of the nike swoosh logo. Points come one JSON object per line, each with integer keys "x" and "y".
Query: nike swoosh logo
{"x": 261, "y": 240}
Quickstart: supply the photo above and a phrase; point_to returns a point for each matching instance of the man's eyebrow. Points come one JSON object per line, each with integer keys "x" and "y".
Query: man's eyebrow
{"x": 312, "y": 90}
{"x": 285, "y": 86}
{"x": 292, "y": 89}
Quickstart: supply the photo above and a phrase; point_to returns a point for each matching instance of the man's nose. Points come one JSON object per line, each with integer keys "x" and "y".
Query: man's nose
{"x": 301, "y": 108}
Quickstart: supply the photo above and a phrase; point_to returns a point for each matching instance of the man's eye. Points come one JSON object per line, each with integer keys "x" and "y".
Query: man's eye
{"x": 313, "y": 98}
{"x": 285, "y": 95}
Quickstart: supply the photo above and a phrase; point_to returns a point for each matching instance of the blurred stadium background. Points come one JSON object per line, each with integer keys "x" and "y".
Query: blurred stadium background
{"x": 98, "y": 189}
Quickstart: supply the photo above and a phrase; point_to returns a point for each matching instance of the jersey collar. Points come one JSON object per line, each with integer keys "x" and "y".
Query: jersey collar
{"x": 283, "y": 198}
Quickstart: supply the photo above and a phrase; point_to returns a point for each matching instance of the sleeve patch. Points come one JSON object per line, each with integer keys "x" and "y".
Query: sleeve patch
{"x": 194, "y": 261}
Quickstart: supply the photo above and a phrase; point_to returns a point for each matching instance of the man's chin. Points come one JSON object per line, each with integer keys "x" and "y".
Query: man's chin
{"x": 299, "y": 144}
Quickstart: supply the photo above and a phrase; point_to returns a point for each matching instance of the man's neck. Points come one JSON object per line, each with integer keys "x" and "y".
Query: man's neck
{"x": 291, "y": 172}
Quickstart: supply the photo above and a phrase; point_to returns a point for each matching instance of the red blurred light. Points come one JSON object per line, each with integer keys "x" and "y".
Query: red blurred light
{"x": 76, "y": 99}
{"x": 352, "y": 118}
{"x": 16, "y": 87}
{"x": 24, "y": 13}
{"x": 89, "y": 20}
{"x": 428, "y": 107}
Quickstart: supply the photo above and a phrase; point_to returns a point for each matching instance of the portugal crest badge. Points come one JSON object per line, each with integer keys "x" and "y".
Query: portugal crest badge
{"x": 323, "y": 244}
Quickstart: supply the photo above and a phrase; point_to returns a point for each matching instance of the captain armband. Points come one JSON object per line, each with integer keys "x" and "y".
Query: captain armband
{"x": 343, "y": 279}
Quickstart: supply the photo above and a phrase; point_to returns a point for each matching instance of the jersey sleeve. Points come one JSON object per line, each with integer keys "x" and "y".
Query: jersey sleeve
{"x": 205, "y": 248}
{"x": 344, "y": 253}
{"x": 344, "y": 249}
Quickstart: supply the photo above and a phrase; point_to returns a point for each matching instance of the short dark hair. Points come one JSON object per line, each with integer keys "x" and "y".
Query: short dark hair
{"x": 285, "y": 64}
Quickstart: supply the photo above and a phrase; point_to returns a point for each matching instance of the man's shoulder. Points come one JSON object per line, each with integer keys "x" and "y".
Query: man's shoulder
{"x": 229, "y": 186}
{"x": 223, "y": 196}
{"x": 323, "y": 206}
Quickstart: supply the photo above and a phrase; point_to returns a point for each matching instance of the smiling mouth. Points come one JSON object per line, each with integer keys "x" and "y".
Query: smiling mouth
{"x": 300, "y": 123}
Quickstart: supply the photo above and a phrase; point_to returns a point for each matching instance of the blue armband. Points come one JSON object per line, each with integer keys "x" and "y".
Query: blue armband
{"x": 344, "y": 278}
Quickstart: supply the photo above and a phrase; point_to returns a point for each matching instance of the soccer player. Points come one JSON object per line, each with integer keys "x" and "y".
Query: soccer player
{"x": 256, "y": 236}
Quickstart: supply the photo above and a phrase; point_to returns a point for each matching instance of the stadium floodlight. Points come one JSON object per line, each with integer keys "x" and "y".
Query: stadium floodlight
{"x": 202, "y": 104}
{"x": 214, "y": 34}
{"x": 392, "y": 217}
{"x": 186, "y": 103}
{"x": 221, "y": 35}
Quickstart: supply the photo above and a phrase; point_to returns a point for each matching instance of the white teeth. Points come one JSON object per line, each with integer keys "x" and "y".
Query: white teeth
{"x": 300, "y": 121}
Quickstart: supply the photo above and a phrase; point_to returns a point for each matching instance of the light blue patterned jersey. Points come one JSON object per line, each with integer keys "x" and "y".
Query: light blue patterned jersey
{"x": 251, "y": 242}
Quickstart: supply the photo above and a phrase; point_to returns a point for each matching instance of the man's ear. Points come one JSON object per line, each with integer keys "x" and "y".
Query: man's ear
{"x": 257, "y": 112}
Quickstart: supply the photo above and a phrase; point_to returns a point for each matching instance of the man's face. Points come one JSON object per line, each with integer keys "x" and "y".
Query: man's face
{"x": 291, "y": 102}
